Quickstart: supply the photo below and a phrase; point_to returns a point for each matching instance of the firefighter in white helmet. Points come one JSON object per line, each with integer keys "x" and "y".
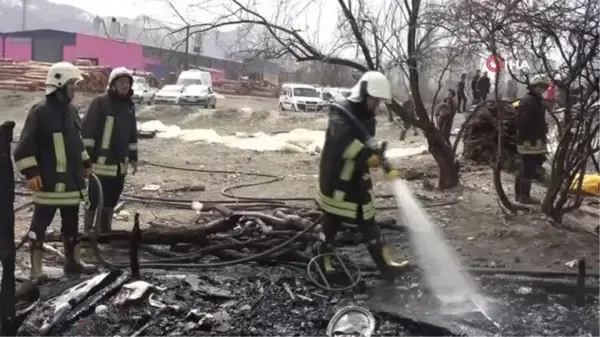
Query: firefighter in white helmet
{"x": 109, "y": 131}
{"x": 51, "y": 155}
{"x": 344, "y": 179}
{"x": 532, "y": 130}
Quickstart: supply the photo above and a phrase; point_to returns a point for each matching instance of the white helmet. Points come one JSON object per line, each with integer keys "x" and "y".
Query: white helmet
{"x": 119, "y": 72}
{"x": 59, "y": 74}
{"x": 375, "y": 84}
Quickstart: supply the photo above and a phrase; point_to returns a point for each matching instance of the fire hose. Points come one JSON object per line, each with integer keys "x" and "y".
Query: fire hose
{"x": 164, "y": 264}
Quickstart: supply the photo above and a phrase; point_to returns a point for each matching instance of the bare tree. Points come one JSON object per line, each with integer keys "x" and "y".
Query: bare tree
{"x": 383, "y": 36}
{"x": 562, "y": 37}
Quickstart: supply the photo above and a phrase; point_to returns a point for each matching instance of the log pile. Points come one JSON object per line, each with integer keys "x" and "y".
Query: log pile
{"x": 31, "y": 75}
{"x": 246, "y": 87}
{"x": 480, "y": 134}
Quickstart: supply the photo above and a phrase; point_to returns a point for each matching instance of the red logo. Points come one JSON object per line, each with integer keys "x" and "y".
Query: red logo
{"x": 494, "y": 63}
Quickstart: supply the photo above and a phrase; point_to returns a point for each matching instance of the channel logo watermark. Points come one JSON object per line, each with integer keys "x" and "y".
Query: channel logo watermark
{"x": 495, "y": 63}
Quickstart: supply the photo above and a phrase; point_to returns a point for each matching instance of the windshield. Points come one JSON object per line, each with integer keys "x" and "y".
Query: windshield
{"x": 189, "y": 81}
{"x": 305, "y": 92}
{"x": 171, "y": 88}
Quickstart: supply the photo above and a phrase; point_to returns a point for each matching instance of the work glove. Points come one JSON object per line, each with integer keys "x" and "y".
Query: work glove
{"x": 392, "y": 175}
{"x": 35, "y": 183}
{"x": 374, "y": 161}
{"x": 87, "y": 172}
{"x": 133, "y": 167}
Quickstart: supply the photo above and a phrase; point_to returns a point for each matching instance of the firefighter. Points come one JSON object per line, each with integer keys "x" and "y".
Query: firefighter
{"x": 531, "y": 138}
{"x": 7, "y": 232}
{"x": 50, "y": 154}
{"x": 109, "y": 134}
{"x": 344, "y": 181}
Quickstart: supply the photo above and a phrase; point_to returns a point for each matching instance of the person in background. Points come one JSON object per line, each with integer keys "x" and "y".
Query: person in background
{"x": 51, "y": 155}
{"x": 409, "y": 106}
{"x": 551, "y": 97}
{"x": 460, "y": 90}
{"x": 512, "y": 89}
{"x": 345, "y": 184}
{"x": 445, "y": 114}
{"x": 109, "y": 132}
{"x": 531, "y": 138}
{"x": 474, "y": 87}
{"x": 483, "y": 86}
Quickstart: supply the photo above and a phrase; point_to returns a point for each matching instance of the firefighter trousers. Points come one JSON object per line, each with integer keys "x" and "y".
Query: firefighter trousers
{"x": 112, "y": 187}
{"x": 7, "y": 257}
{"x": 44, "y": 214}
{"x": 367, "y": 228}
{"x": 530, "y": 166}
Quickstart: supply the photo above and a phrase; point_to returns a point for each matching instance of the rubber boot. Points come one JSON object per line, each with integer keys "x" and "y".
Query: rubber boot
{"x": 88, "y": 220}
{"x": 382, "y": 255}
{"x": 326, "y": 262}
{"x": 107, "y": 217}
{"x": 73, "y": 264}
{"x": 36, "y": 252}
{"x": 525, "y": 195}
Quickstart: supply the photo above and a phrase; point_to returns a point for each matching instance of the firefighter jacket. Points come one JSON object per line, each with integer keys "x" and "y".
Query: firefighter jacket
{"x": 344, "y": 179}
{"x": 50, "y": 146}
{"x": 531, "y": 125}
{"x": 109, "y": 134}
{"x": 7, "y": 177}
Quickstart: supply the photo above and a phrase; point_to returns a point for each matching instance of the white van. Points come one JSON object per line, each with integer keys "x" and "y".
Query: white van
{"x": 300, "y": 97}
{"x": 194, "y": 76}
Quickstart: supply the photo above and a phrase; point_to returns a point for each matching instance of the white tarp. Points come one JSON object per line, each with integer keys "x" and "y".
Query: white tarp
{"x": 297, "y": 140}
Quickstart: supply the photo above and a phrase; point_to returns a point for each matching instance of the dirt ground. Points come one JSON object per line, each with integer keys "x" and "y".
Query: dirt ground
{"x": 474, "y": 224}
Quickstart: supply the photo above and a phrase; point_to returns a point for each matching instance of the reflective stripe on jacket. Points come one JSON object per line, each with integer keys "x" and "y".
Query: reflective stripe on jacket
{"x": 110, "y": 135}
{"x": 51, "y": 147}
{"x": 344, "y": 179}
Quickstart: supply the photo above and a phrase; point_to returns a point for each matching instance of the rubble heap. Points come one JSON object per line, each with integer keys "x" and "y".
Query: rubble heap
{"x": 183, "y": 293}
{"x": 480, "y": 134}
{"x": 246, "y": 87}
{"x": 31, "y": 75}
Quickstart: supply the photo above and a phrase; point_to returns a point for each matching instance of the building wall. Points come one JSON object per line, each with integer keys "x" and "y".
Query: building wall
{"x": 107, "y": 52}
{"x": 174, "y": 61}
{"x": 17, "y": 48}
{"x": 51, "y": 45}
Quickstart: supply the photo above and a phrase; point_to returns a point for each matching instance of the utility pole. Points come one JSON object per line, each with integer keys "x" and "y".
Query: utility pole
{"x": 187, "y": 47}
{"x": 24, "y": 15}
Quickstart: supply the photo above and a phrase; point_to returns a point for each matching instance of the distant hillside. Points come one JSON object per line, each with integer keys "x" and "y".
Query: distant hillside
{"x": 47, "y": 15}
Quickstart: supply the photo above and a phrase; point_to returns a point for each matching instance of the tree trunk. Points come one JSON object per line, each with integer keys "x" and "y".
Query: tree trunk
{"x": 444, "y": 157}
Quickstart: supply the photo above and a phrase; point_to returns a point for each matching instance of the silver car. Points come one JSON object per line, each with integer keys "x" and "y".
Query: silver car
{"x": 198, "y": 94}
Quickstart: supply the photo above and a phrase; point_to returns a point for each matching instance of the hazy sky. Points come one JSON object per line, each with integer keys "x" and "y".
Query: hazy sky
{"x": 128, "y": 8}
{"x": 210, "y": 10}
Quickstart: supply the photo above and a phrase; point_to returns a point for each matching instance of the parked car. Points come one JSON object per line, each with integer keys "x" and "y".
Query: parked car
{"x": 142, "y": 94}
{"x": 300, "y": 97}
{"x": 169, "y": 94}
{"x": 198, "y": 94}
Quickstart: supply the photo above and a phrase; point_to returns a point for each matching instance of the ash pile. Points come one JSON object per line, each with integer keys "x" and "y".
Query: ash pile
{"x": 238, "y": 273}
{"x": 251, "y": 275}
